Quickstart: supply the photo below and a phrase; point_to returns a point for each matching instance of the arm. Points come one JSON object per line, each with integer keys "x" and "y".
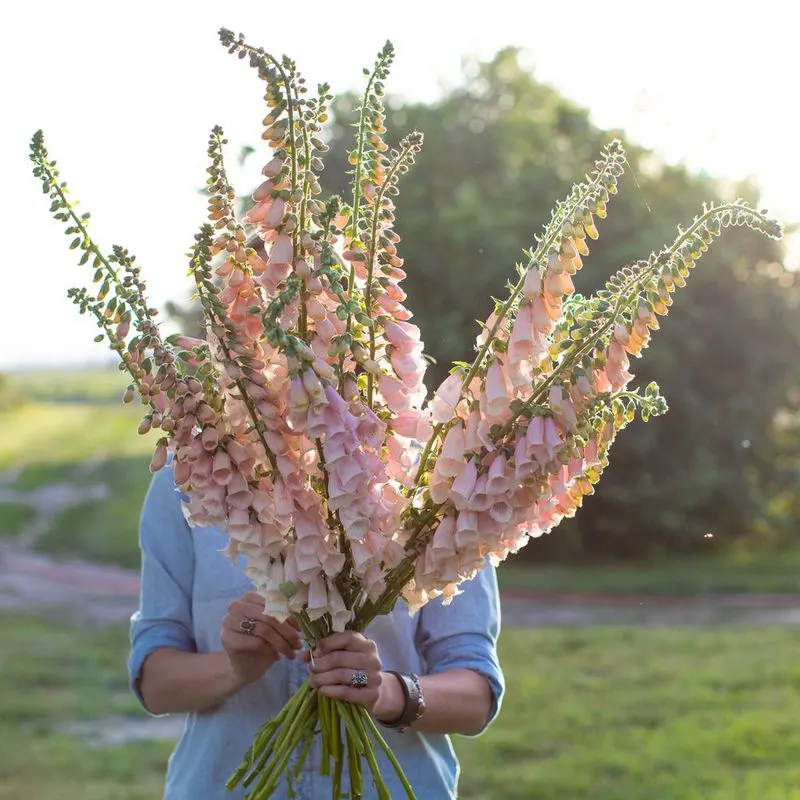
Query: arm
{"x": 174, "y": 682}
{"x": 456, "y": 701}
{"x": 167, "y": 675}
{"x": 458, "y": 645}
{"x": 163, "y": 627}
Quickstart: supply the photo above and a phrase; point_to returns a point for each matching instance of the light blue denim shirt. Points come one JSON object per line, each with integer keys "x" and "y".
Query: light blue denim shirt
{"x": 186, "y": 588}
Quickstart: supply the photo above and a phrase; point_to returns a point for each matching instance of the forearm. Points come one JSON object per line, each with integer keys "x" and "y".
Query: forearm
{"x": 174, "y": 682}
{"x": 456, "y": 701}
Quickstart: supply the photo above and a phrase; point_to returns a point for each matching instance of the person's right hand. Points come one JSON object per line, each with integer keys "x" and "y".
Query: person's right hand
{"x": 252, "y": 654}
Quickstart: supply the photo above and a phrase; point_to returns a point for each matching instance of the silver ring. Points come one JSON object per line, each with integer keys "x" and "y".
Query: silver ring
{"x": 359, "y": 680}
{"x": 248, "y": 626}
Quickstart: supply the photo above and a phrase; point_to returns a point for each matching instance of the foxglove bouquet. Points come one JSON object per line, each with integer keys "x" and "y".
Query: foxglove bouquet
{"x": 300, "y": 424}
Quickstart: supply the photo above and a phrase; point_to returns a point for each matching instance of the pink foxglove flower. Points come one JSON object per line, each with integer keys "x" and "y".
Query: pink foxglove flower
{"x": 443, "y": 404}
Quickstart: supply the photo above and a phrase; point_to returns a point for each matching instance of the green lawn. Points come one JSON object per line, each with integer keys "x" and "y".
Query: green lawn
{"x": 15, "y": 517}
{"x": 49, "y": 438}
{"x": 79, "y": 444}
{"x": 71, "y": 385}
{"x": 591, "y": 714}
{"x": 770, "y": 573}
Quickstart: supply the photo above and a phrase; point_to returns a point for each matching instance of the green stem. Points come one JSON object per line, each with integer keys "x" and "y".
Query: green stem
{"x": 354, "y": 763}
{"x": 325, "y": 708}
{"x": 283, "y": 746}
{"x": 337, "y": 750}
{"x": 380, "y": 784}
{"x": 390, "y": 755}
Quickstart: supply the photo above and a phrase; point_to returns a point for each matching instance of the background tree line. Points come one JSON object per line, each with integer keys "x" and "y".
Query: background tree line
{"x": 499, "y": 151}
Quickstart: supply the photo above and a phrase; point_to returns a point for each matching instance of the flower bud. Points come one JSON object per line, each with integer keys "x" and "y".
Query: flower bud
{"x": 159, "y": 456}
{"x": 273, "y": 167}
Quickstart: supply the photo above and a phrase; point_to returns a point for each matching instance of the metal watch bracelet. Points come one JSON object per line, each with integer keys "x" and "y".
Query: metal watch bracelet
{"x": 414, "y": 701}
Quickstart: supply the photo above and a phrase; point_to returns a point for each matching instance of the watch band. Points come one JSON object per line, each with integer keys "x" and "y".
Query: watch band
{"x": 415, "y": 702}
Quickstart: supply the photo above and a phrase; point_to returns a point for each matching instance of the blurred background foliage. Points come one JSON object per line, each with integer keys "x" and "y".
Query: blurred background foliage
{"x": 725, "y": 460}
{"x": 499, "y": 151}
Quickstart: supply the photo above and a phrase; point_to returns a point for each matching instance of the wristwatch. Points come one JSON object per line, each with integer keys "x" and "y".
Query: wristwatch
{"x": 415, "y": 702}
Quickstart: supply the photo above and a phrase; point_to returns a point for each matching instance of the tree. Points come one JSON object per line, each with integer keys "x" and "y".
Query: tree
{"x": 499, "y": 151}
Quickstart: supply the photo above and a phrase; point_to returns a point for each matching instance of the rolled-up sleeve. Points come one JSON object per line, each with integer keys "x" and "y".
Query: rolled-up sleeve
{"x": 463, "y": 635}
{"x": 164, "y": 618}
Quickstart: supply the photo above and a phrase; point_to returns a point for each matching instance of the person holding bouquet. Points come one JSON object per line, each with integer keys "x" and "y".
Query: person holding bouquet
{"x": 202, "y": 646}
{"x": 304, "y": 445}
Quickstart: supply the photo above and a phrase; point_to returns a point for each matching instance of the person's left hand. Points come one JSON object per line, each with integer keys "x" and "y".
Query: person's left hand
{"x": 337, "y": 659}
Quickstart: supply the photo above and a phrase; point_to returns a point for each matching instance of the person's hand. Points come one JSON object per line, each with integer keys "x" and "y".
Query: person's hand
{"x": 338, "y": 658}
{"x": 255, "y": 641}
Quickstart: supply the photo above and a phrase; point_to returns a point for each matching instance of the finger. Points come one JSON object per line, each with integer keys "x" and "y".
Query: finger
{"x": 348, "y": 640}
{"x": 342, "y": 677}
{"x": 362, "y": 697}
{"x": 236, "y": 642}
{"x": 284, "y": 629}
{"x": 240, "y": 610}
{"x": 276, "y": 641}
{"x": 262, "y": 633}
{"x": 346, "y": 659}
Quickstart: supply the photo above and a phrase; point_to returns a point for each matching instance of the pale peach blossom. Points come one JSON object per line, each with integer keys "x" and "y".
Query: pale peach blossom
{"x": 210, "y": 438}
{"x": 395, "y": 393}
{"x": 464, "y": 484}
{"x": 486, "y": 328}
{"x": 542, "y": 322}
{"x": 520, "y": 345}
{"x": 497, "y": 392}
{"x": 480, "y": 499}
{"x": 281, "y": 251}
{"x": 532, "y": 286}
{"x": 412, "y": 424}
{"x": 221, "y": 468}
{"x": 442, "y": 406}
{"x": 451, "y": 457}
{"x": 471, "y": 438}
{"x": 238, "y": 491}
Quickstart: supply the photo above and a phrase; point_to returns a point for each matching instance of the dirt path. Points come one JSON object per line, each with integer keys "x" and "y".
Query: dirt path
{"x": 96, "y": 594}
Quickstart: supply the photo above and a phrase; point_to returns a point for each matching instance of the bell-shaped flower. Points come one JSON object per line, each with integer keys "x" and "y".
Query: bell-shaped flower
{"x": 443, "y": 404}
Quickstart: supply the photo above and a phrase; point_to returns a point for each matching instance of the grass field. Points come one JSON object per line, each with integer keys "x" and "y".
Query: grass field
{"x": 591, "y": 714}
{"x": 77, "y": 445}
{"x": 768, "y": 573}
{"x": 101, "y": 386}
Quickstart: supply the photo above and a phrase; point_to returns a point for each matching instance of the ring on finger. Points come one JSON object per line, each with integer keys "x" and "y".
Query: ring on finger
{"x": 248, "y": 626}
{"x": 360, "y": 680}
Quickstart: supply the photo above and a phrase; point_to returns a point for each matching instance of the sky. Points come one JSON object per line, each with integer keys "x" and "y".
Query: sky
{"x": 127, "y": 93}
